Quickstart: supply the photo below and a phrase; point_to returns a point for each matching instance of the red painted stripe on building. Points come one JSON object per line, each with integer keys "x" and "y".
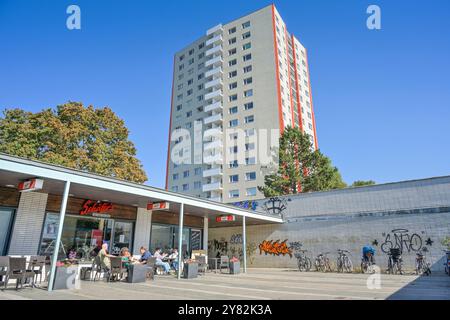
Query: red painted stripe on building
{"x": 277, "y": 71}
{"x": 170, "y": 126}
{"x": 310, "y": 98}
{"x": 297, "y": 86}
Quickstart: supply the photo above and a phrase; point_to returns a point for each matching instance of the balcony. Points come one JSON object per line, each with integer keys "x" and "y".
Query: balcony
{"x": 215, "y": 72}
{"x": 216, "y": 62}
{"x": 215, "y": 29}
{"x": 212, "y": 186}
{"x": 213, "y": 145}
{"x": 213, "y": 159}
{"x": 216, "y": 95}
{"x": 213, "y": 119}
{"x": 213, "y": 50}
{"x": 212, "y": 172}
{"x": 215, "y": 199}
{"x": 216, "y": 83}
{"x": 214, "y": 40}
{"x": 214, "y": 106}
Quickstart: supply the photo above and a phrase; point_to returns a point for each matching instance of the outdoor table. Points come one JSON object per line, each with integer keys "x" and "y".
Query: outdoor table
{"x": 215, "y": 260}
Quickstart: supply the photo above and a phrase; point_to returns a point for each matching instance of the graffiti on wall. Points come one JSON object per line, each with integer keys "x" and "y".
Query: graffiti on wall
{"x": 401, "y": 239}
{"x": 233, "y": 248}
{"x": 236, "y": 238}
{"x": 249, "y": 204}
{"x": 275, "y": 205}
{"x": 275, "y": 248}
{"x": 295, "y": 245}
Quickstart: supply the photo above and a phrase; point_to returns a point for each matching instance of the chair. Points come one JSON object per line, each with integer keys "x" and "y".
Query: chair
{"x": 224, "y": 262}
{"x": 202, "y": 264}
{"x": 99, "y": 269}
{"x": 151, "y": 263}
{"x": 117, "y": 269}
{"x": 36, "y": 265}
{"x": 4, "y": 266}
{"x": 18, "y": 271}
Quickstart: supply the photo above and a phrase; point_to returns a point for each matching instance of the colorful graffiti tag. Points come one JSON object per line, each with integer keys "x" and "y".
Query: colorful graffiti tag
{"x": 236, "y": 238}
{"x": 246, "y": 205}
{"x": 275, "y": 248}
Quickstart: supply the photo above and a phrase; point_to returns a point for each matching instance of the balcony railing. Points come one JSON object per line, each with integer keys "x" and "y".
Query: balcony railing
{"x": 217, "y": 95}
{"x": 214, "y": 40}
{"x": 212, "y": 186}
{"x": 213, "y": 119}
{"x": 216, "y": 144}
{"x": 213, "y": 50}
{"x": 212, "y": 172}
{"x": 217, "y": 62}
{"x": 215, "y": 29}
{"x": 215, "y": 72}
{"x": 216, "y": 83}
{"x": 213, "y": 159}
{"x": 213, "y": 106}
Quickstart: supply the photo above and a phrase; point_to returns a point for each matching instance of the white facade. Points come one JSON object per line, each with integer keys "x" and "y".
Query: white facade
{"x": 240, "y": 79}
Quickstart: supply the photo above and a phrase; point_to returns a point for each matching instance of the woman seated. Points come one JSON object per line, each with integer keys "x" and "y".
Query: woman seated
{"x": 126, "y": 256}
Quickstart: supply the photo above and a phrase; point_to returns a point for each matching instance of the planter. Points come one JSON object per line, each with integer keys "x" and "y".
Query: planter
{"x": 190, "y": 270}
{"x": 235, "y": 267}
{"x": 137, "y": 273}
{"x": 66, "y": 278}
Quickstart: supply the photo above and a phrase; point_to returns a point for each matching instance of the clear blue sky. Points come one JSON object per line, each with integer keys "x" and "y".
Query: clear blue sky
{"x": 382, "y": 98}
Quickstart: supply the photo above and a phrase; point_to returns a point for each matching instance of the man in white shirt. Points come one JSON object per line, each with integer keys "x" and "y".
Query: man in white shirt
{"x": 159, "y": 260}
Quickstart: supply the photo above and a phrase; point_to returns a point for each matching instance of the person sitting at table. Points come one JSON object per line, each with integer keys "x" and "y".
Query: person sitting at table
{"x": 145, "y": 255}
{"x": 126, "y": 256}
{"x": 72, "y": 254}
{"x": 104, "y": 256}
{"x": 174, "y": 258}
{"x": 159, "y": 260}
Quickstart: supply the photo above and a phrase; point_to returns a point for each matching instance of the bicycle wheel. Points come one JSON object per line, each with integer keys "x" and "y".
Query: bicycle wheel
{"x": 339, "y": 265}
{"x": 363, "y": 267}
{"x": 308, "y": 264}
{"x": 300, "y": 264}
{"x": 327, "y": 265}
{"x": 348, "y": 264}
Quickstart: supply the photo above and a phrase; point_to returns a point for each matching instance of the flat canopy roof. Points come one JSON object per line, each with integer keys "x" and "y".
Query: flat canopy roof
{"x": 14, "y": 170}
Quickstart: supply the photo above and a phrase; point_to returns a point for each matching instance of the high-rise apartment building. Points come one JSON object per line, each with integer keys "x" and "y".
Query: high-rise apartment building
{"x": 247, "y": 78}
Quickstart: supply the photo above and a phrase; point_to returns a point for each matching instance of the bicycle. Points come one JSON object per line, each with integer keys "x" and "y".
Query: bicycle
{"x": 322, "y": 263}
{"x": 395, "y": 261}
{"x": 343, "y": 262}
{"x": 303, "y": 262}
{"x": 367, "y": 263}
{"x": 422, "y": 266}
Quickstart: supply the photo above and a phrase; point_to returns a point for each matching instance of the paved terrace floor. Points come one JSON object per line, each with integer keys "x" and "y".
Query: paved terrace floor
{"x": 256, "y": 284}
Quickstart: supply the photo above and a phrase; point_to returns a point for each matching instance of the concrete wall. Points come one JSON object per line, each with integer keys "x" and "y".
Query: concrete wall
{"x": 142, "y": 229}
{"x": 28, "y": 224}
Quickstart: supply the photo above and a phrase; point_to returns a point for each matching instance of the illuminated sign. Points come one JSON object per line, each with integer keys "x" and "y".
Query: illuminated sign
{"x": 158, "y": 206}
{"x": 225, "y": 218}
{"x": 91, "y": 206}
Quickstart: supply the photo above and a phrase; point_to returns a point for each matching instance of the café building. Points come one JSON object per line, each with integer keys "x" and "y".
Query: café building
{"x": 97, "y": 209}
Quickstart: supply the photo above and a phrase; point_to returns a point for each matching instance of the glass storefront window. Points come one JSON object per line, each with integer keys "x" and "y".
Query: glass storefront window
{"x": 6, "y": 216}
{"x": 85, "y": 236}
{"x": 166, "y": 238}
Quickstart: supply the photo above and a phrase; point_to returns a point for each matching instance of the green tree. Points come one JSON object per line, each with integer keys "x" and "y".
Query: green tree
{"x": 88, "y": 139}
{"x": 360, "y": 183}
{"x": 300, "y": 169}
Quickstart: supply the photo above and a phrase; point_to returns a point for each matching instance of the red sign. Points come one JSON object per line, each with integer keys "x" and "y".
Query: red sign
{"x": 91, "y": 206}
{"x": 31, "y": 185}
{"x": 158, "y": 206}
{"x": 225, "y": 218}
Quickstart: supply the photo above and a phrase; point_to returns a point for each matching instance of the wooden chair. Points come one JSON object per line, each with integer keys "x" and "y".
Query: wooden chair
{"x": 36, "y": 265}
{"x": 117, "y": 269}
{"x": 18, "y": 271}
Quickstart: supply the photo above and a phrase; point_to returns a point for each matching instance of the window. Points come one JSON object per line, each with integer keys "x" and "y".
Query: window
{"x": 188, "y": 114}
{"x": 191, "y": 61}
{"x": 232, "y": 40}
{"x": 189, "y": 92}
{"x": 248, "y": 106}
{"x": 233, "y": 110}
{"x": 232, "y": 62}
{"x": 310, "y": 126}
{"x": 197, "y": 184}
{"x": 249, "y": 146}
{"x": 190, "y": 81}
{"x": 246, "y": 25}
{"x": 233, "y": 164}
{"x": 234, "y": 193}
{"x": 182, "y": 57}
{"x": 200, "y": 87}
{"x": 191, "y": 52}
{"x": 249, "y": 161}
{"x": 232, "y": 51}
{"x": 201, "y": 45}
{"x": 181, "y": 67}
{"x": 250, "y": 119}
{"x": 179, "y": 107}
{"x": 232, "y": 30}
{"x": 197, "y": 171}
{"x": 234, "y": 178}
{"x": 233, "y": 97}
{"x": 232, "y": 74}
{"x": 249, "y": 132}
{"x": 246, "y": 35}
{"x": 181, "y": 76}
{"x": 248, "y": 81}
{"x": 234, "y": 149}
{"x": 200, "y": 109}
{"x": 246, "y": 46}
{"x": 234, "y": 123}
{"x": 248, "y": 93}
{"x": 185, "y": 187}
{"x": 175, "y": 188}
{"x": 186, "y": 174}
{"x": 200, "y": 98}
{"x": 180, "y": 86}
{"x": 180, "y": 96}
{"x": 247, "y": 57}
{"x": 247, "y": 69}
{"x": 250, "y": 176}
{"x": 233, "y": 85}
{"x": 201, "y": 55}
{"x": 251, "y": 192}
{"x": 188, "y": 125}
{"x": 200, "y": 65}
{"x": 175, "y": 176}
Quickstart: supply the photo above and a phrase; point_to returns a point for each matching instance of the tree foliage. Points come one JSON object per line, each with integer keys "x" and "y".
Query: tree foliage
{"x": 360, "y": 183}
{"x": 301, "y": 168}
{"x": 88, "y": 139}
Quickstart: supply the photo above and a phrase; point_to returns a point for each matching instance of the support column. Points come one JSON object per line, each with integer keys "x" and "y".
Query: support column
{"x": 205, "y": 234}
{"x": 244, "y": 244}
{"x": 180, "y": 240}
{"x": 62, "y": 215}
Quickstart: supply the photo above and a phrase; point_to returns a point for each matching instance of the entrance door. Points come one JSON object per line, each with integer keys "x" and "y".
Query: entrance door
{"x": 6, "y": 216}
{"x": 122, "y": 236}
